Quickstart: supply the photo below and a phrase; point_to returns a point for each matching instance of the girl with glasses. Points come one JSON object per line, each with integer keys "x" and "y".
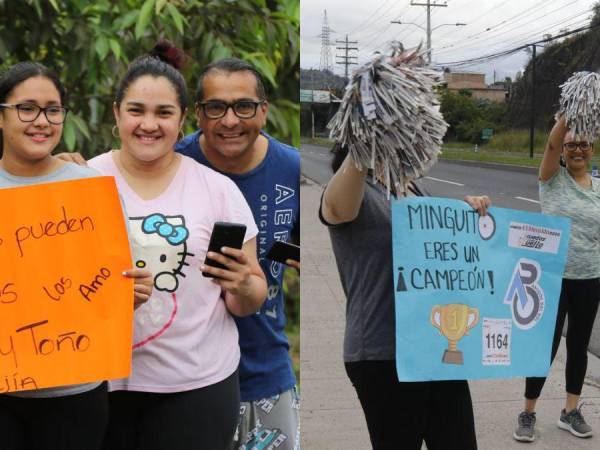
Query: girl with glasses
{"x": 572, "y": 192}
{"x": 31, "y": 123}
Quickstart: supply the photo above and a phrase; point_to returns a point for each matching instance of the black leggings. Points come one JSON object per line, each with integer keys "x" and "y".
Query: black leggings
{"x": 579, "y": 299}
{"x": 200, "y": 419}
{"x": 73, "y": 422}
{"x": 401, "y": 415}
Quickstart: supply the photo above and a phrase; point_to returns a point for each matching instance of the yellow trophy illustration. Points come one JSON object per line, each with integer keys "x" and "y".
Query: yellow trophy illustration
{"x": 453, "y": 321}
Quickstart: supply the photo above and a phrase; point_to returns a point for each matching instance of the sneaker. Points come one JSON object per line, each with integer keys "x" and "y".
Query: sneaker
{"x": 525, "y": 431}
{"x": 575, "y": 423}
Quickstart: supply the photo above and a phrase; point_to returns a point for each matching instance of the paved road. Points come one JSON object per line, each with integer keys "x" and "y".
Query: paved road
{"x": 507, "y": 186}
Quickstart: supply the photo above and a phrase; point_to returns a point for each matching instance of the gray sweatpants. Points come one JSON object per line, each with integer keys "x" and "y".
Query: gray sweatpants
{"x": 270, "y": 423}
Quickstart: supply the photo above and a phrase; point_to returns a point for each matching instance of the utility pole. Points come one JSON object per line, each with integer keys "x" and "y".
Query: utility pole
{"x": 532, "y": 123}
{"x": 429, "y": 5}
{"x": 346, "y": 59}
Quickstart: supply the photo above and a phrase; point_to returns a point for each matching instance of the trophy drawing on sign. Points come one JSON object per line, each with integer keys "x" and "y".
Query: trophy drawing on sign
{"x": 454, "y": 321}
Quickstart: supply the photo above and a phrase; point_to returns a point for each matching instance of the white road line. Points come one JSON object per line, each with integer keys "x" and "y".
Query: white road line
{"x": 525, "y": 199}
{"x": 445, "y": 181}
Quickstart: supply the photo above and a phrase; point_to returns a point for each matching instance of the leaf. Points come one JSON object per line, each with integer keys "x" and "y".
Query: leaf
{"x": 129, "y": 19}
{"x": 160, "y": 4}
{"x": 102, "y": 47}
{"x": 177, "y": 17}
{"x": 69, "y": 135}
{"x": 54, "y": 5}
{"x": 81, "y": 125}
{"x": 115, "y": 47}
{"x": 144, "y": 18}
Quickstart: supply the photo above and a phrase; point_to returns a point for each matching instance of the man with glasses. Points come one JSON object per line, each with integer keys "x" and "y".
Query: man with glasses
{"x": 231, "y": 110}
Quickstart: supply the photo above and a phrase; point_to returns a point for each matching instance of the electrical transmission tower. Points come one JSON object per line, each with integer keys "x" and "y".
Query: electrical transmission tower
{"x": 346, "y": 59}
{"x": 326, "y": 62}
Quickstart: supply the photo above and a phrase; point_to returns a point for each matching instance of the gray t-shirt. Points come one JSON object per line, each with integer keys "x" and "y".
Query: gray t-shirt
{"x": 562, "y": 196}
{"x": 363, "y": 253}
{"x": 68, "y": 171}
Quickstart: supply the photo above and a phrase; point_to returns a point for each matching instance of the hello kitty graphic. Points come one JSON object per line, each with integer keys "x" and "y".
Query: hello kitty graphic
{"x": 159, "y": 245}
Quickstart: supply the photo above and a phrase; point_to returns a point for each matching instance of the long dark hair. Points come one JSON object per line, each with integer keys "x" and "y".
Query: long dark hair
{"x": 21, "y": 72}
{"x": 164, "y": 60}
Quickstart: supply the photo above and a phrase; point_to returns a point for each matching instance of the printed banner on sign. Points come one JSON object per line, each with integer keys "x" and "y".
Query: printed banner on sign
{"x": 65, "y": 307}
{"x": 476, "y": 296}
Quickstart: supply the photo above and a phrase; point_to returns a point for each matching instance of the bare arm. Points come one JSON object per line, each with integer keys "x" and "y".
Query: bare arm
{"x": 243, "y": 280}
{"x": 72, "y": 157}
{"x": 344, "y": 193}
{"x": 551, "y": 159}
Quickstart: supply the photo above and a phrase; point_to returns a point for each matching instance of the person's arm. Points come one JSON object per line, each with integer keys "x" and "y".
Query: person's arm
{"x": 551, "y": 159}
{"x": 344, "y": 193}
{"x": 73, "y": 157}
{"x": 242, "y": 280}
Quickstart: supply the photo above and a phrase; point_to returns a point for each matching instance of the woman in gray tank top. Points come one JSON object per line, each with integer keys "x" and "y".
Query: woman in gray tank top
{"x": 399, "y": 414}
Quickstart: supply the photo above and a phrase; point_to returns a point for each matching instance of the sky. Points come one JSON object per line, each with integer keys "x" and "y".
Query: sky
{"x": 491, "y": 26}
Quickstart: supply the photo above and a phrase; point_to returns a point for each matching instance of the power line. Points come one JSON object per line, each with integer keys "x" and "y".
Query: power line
{"x": 346, "y": 58}
{"x": 516, "y": 49}
{"x": 522, "y": 15}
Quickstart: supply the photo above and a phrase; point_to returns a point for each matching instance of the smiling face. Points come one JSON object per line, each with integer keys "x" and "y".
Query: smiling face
{"x": 30, "y": 141}
{"x": 577, "y": 159}
{"x": 230, "y": 138}
{"x": 149, "y": 118}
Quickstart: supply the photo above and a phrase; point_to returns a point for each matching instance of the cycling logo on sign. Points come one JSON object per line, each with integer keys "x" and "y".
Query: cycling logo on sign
{"x": 524, "y": 294}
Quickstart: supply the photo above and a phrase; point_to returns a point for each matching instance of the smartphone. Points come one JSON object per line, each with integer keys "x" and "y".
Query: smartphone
{"x": 281, "y": 251}
{"x": 224, "y": 234}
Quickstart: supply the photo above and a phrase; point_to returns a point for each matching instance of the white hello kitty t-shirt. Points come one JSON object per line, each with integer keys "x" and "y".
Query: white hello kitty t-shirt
{"x": 184, "y": 338}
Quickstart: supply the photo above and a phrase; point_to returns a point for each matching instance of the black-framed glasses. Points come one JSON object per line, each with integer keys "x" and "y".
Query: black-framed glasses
{"x": 243, "y": 109}
{"x": 29, "y": 112}
{"x": 585, "y": 146}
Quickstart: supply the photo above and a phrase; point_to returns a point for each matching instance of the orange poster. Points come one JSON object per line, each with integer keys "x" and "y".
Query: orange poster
{"x": 65, "y": 307}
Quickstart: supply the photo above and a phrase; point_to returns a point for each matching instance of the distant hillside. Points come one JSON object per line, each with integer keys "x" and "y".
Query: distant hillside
{"x": 554, "y": 65}
{"x": 322, "y": 80}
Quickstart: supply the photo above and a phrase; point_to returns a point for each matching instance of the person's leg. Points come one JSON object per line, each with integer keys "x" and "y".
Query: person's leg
{"x": 73, "y": 422}
{"x": 582, "y": 312}
{"x": 534, "y": 385}
{"x": 270, "y": 421}
{"x": 200, "y": 419}
{"x": 395, "y": 412}
{"x": 125, "y": 412}
{"x": 12, "y": 425}
{"x": 450, "y": 425}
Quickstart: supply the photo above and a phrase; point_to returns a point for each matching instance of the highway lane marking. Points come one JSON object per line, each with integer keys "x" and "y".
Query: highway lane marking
{"x": 525, "y": 199}
{"x": 445, "y": 181}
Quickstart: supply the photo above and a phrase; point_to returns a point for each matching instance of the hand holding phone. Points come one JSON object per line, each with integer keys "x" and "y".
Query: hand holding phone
{"x": 224, "y": 234}
{"x": 282, "y": 251}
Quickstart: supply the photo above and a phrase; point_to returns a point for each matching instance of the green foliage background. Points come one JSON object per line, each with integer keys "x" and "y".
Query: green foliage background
{"x": 90, "y": 43}
{"x": 467, "y": 116}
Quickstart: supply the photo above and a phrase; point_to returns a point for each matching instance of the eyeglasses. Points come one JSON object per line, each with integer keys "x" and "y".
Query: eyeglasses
{"x": 572, "y": 146}
{"x": 29, "y": 112}
{"x": 244, "y": 109}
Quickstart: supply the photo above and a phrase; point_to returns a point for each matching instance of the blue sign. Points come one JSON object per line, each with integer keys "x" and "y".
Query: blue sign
{"x": 476, "y": 296}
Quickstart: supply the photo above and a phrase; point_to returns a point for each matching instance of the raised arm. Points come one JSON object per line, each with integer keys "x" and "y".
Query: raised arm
{"x": 344, "y": 193}
{"x": 551, "y": 159}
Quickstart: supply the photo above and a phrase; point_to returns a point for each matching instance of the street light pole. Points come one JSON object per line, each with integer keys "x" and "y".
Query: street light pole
{"x": 429, "y": 30}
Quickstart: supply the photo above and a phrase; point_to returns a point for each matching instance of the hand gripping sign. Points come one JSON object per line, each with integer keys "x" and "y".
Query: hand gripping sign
{"x": 476, "y": 297}
{"x": 65, "y": 307}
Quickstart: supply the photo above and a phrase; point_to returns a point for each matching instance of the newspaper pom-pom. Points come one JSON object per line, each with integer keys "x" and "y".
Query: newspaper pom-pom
{"x": 580, "y": 103}
{"x": 389, "y": 117}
